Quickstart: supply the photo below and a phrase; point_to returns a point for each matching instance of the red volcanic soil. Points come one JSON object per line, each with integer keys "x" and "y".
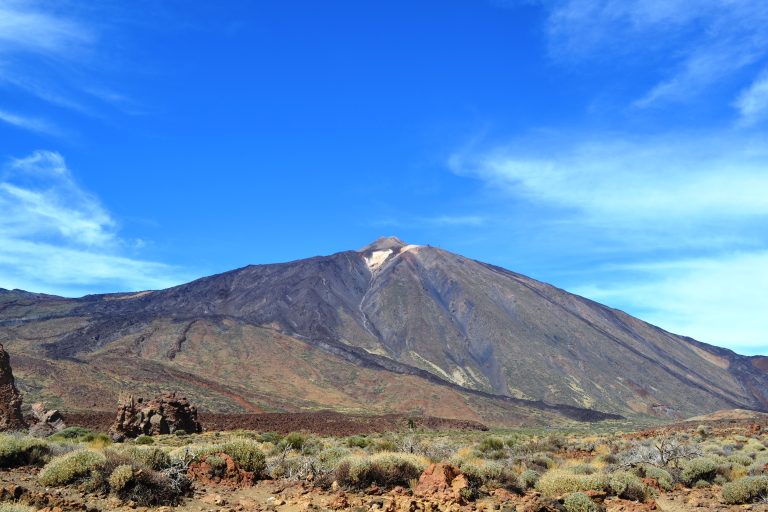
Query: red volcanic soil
{"x": 321, "y": 422}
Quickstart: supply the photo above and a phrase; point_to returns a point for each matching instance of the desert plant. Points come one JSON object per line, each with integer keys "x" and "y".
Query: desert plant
{"x": 583, "y": 469}
{"x": 70, "y": 467}
{"x": 120, "y": 477}
{"x": 294, "y": 441}
{"x": 628, "y": 486}
{"x": 662, "y": 476}
{"x": 15, "y": 507}
{"x": 358, "y": 442}
{"x": 144, "y": 440}
{"x": 700, "y": 468}
{"x": 16, "y": 451}
{"x": 579, "y": 502}
{"x": 490, "y": 444}
{"x": 528, "y": 479}
{"x": 746, "y": 490}
{"x": 245, "y": 452}
{"x": 558, "y": 482}
{"x": 150, "y": 456}
{"x": 384, "y": 469}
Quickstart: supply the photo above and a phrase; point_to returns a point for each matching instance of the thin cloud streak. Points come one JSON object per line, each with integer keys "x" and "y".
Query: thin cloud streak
{"x": 29, "y": 123}
{"x": 55, "y": 237}
{"x": 699, "y": 42}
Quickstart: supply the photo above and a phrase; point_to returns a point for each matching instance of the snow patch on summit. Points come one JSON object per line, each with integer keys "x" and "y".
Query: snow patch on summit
{"x": 377, "y": 258}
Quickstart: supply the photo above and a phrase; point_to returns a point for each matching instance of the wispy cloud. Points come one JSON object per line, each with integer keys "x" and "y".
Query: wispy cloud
{"x": 666, "y": 178}
{"x": 710, "y": 299}
{"x": 58, "y": 238}
{"x": 685, "y": 216}
{"x": 752, "y": 103}
{"x": 454, "y": 220}
{"x": 696, "y": 43}
{"x": 26, "y": 27}
{"x": 52, "y": 55}
{"x": 29, "y": 123}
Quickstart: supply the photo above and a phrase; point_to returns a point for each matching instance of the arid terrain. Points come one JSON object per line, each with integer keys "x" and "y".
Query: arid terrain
{"x": 719, "y": 464}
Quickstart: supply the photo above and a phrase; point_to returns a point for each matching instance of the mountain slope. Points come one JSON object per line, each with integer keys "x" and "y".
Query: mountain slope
{"x": 461, "y": 331}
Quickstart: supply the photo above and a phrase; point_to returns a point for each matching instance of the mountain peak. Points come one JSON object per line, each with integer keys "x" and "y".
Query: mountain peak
{"x": 384, "y": 243}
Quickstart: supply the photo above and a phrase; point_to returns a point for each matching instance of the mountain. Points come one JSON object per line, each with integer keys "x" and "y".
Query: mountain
{"x": 391, "y": 327}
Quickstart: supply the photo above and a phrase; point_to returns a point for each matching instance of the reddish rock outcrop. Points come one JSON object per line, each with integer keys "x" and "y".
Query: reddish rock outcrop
{"x": 444, "y": 481}
{"x": 10, "y": 398}
{"x": 164, "y": 414}
{"x": 225, "y": 472}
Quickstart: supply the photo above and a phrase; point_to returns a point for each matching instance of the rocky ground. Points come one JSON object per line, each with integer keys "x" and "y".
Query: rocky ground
{"x": 291, "y": 496}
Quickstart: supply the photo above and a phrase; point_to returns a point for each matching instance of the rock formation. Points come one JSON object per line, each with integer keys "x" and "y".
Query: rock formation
{"x": 444, "y": 481}
{"x": 48, "y": 421}
{"x": 164, "y": 414}
{"x": 10, "y": 398}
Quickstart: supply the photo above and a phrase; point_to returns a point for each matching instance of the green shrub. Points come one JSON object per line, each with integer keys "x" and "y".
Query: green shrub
{"x": 218, "y": 464}
{"x": 294, "y": 441}
{"x": 663, "y": 477}
{"x": 358, "y": 442}
{"x": 23, "y": 451}
{"x": 490, "y": 444}
{"x": 383, "y": 445}
{"x": 71, "y": 434}
{"x": 269, "y": 437}
{"x": 15, "y": 507}
{"x": 144, "y": 440}
{"x": 383, "y": 469}
{"x": 245, "y": 452}
{"x": 628, "y": 486}
{"x": 579, "y": 502}
{"x": 120, "y": 477}
{"x": 528, "y": 479}
{"x": 558, "y": 482}
{"x": 745, "y": 490}
{"x": 583, "y": 469}
{"x": 70, "y": 467}
{"x": 740, "y": 458}
{"x": 701, "y": 468}
{"x": 490, "y": 473}
{"x": 180, "y": 432}
{"x": 150, "y": 456}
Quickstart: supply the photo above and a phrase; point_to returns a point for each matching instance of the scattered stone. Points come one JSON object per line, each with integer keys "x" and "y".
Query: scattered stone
{"x": 10, "y": 398}
{"x": 165, "y": 414}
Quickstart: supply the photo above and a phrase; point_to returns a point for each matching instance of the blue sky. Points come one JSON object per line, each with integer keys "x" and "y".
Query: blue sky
{"x": 615, "y": 148}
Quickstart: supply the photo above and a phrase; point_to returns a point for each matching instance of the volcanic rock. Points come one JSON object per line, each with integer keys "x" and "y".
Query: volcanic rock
{"x": 10, "y": 398}
{"x": 443, "y": 481}
{"x": 48, "y": 421}
{"x": 164, "y": 414}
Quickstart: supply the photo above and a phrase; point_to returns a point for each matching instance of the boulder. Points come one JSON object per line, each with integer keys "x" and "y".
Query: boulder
{"x": 10, "y": 398}
{"x": 164, "y": 414}
{"x": 48, "y": 421}
{"x": 442, "y": 481}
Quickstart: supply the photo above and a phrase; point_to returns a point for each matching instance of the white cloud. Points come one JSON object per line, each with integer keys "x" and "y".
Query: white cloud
{"x": 454, "y": 220}
{"x": 630, "y": 183}
{"x": 57, "y": 238}
{"x": 685, "y": 216}
{"x": 697, "y": 42}
{"x": 28, "y": 123}
{"x": 752, "y": 103}
{"x": 25, "y": 27}
{"x": 717, "y": 300}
